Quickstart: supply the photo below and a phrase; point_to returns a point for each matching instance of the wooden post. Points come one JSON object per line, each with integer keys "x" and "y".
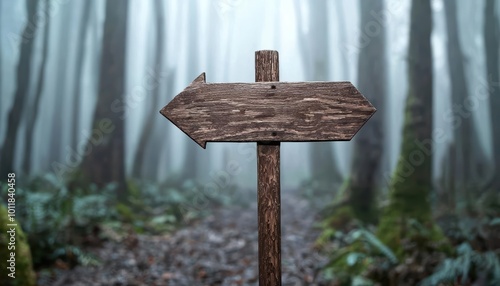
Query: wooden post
{"x": 268, "y": 193}
{"x": 268, "y": 112}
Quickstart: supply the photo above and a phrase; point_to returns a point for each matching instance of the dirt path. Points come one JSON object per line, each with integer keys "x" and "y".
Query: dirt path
{"x": 219, "y": 250}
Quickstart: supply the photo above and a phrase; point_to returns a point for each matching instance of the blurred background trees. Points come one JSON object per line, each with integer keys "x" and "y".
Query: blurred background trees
{"x": 82, "y": 82}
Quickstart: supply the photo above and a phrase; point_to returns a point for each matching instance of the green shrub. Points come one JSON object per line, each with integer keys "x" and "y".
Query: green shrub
{"x": 361, "y": 249}
{"x": 61, "y": 217}
{"x": 55, "y": 218}
{"x": 362, "y": 257}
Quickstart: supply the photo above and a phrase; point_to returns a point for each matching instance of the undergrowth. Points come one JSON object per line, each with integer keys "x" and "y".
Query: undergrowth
{"x": 467, "y": 267}
{"x": 61, "y": 218}
{"x": 359, "y": 257}
{"x": 57, "y": 220}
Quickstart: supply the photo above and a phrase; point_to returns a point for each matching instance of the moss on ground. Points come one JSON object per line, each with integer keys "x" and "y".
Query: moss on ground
{"x": 24, "y": 274}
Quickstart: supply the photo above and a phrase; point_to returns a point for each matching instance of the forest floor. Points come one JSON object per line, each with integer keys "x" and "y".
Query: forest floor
{"x": 220, "y": 249}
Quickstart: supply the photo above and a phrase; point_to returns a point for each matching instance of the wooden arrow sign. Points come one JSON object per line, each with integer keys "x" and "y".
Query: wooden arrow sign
{"x": 268, "y": 111}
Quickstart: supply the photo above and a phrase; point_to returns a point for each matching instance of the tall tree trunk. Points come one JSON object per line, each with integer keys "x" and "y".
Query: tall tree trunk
{"x": 339, "y": 7}
{"x": 33, "y": 113}
{"x": 80, "y": 56}
{"x": 491, "y": 31}
{"x": 315, "y": 52}
{"x": 192, "y": 156}
{"x": 157, "y": 166}
{"x": 1, "y": 65}
{"x": 368, "y": 143}
{"x": 105, "y": 163}
{"x": 412, "y": 180}
{"x": 61, "y": 91}
{"x": 152, "y": 114}
{"x": 446, "y": 197}
{"x": 469, "y": 154}
{"x": 23, "y": 81}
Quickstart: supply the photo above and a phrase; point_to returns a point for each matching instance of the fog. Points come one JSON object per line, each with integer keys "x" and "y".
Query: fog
{"x": 220, "y": 38}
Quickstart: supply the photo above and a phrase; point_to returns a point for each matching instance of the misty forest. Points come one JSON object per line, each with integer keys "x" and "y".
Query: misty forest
{"x": 98, "y": 188}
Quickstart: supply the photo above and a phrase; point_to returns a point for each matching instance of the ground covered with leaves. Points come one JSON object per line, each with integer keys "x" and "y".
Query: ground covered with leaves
{"x": 220, "y": 249}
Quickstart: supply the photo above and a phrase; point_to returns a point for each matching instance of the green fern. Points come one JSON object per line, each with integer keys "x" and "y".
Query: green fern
{"x": 54, "y": 218}
{"x": 463, "y": 266}
{"x": 80, "y": 256}
{"x": 58, "y": 216}
{"x": 362, "y": 249}
{"x": 375, "y": 245}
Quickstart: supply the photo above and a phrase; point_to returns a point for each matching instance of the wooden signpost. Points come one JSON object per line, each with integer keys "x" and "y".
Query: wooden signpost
{"x": 268, "y": 112}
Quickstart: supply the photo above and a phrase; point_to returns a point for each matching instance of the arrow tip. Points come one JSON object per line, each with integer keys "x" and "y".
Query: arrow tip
{"x": 175, "y": 106}
{"x": 199, "y": 80}
{"x": 203, "y": 144}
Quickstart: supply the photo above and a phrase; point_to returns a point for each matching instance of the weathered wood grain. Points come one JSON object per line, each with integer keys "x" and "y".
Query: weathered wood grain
{"x": 269, "y": 111}
{"x": 268, "y": 187}
{"x": 269, "y": 212}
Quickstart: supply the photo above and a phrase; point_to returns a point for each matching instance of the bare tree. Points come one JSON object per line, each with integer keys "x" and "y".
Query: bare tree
{"x": 470, "y": 160}
{"x": 80, "y": 56}
{"x": 342, "y": 33}
{"x": 146, "y": 135}
{"x": 491, "y": 31}
{"x": 61, "y": 91}
{"x": 315, "y": 54}
{"x": 0, "y": 60}
{"x": 52, "y": 151}
{"x": 105, "y": 162}
{"x": 368, "y": 144}
{"x": 412, "y": 180}
{"x": 33, "y": 108}
{"x": 23, "y": 81}
{"x": 193, "y": 155}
